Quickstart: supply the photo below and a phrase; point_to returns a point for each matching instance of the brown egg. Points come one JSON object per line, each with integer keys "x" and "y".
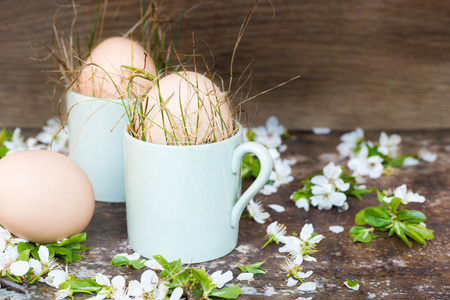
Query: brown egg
{"x": 44, "y": 196}
{"x": 111, "y": 55}
{"x": 197, "y": 109}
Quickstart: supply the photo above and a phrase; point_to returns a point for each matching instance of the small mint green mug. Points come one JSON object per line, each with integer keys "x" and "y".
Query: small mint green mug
{"x": 96, "y": 143}
{"x": 184, "y": 202}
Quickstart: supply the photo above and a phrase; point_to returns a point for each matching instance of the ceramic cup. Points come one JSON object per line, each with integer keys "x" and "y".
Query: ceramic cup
{"x": 96, "y": 143}
{"x": 184, "y": 202}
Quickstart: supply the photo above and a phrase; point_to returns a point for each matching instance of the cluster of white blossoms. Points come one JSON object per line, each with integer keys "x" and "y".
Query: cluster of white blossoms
{"x": 271, "y": 137}
{"x": 327, "y": 190}
{"x": 50, "y": 133}
{"x": 367, "y": 159}
{"x": 298, "y": 250}
{"x": 13, "y": 266}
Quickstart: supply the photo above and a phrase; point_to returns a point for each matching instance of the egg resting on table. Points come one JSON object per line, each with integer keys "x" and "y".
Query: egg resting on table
{"x": 44, "y": 196}
{"x": 197, "y": 109}
{"x": 111, "y": 55}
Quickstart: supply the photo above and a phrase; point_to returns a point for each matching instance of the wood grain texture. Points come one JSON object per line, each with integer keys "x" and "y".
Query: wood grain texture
{"x": 385, "y": 268}
{"x": 373, "y": 64}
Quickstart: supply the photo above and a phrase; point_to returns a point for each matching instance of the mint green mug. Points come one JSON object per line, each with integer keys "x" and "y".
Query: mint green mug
{"x": 184, "y": 202}
{"x": 96, "y": 143}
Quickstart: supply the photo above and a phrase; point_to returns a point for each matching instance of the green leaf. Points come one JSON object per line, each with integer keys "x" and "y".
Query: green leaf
{"x": 425, "y": 233}
{"x": 377, "y": 216}
{"x": 120, "y": 261}
{"x": 380, "y": 196}
{"x": 394, "y": 204}
{"x": 398, "y": 231}
{"x": 231, "y": 292}
{"x": 351, "y": 283}
{"x": 359, "y": 218}
{"x": 88, "y": 285}
{"x": 163, "y": 262}
{"x": 138, "y": 263}
{"x": 253, "y": 268}
{"x": 202, "y": 278}
{"x": 3, "y": 151}
{"x": 251, "y": 166}
{"x": 77, "y": 238}
{"x": 64, "y": 253}
{"x": 412, "y": 216}
{"x": 3, "y": 135}
{"x": 362, "y": 234}
{"x": 24, "y": 255}
{"x": 21, "y": 246}
{"x": 411, "y": 232}
{"x": 251, "y": 136}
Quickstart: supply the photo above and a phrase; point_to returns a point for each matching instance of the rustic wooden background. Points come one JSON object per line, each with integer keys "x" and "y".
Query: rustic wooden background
{"x": 374, "y": 64}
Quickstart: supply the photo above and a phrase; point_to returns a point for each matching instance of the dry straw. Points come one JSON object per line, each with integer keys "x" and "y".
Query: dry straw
{"x": 182, "y": 127}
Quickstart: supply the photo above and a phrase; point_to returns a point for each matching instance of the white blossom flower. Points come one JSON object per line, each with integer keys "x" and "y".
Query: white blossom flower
{"x": 56, "y": 277}
{"x": 307, "y": 286}
{"x": 47, "y": 260}
{"x": 293, "y": 246}
{"x": 153, "y": 264}
{"x": 410, "y": 161}
{"x": 221, "y": 279}
{"x": 362, "y": 164}
{"x": 427, "y": 156}
{"x": 268, "y": 189}
{"x": 276, "y": 232}
{"x": 331, "y": 175}
{"x": 281, "y": 173}
{"x": 270, "y": 135}
{"x": 389, "y": 145}
{"x": 161, "y": 292}
{"x": 19, "y": 268}
{"x": 257, "y": 212}
{"x": 306, "y": 235}
{"x": 245, "y": 276}
{"x": 50, "y": 134}
{"x": 149, "y": 282}
{"x": 349, "y": 143}
{"x": 325, "y": 197}
{"x": 405, "y": 196}
{"x": 8, "y": 256}
{"x": 277, "y": 208}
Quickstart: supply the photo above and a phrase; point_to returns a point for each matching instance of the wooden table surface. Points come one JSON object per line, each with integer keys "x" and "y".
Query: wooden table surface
{"x": 385, "y": 268}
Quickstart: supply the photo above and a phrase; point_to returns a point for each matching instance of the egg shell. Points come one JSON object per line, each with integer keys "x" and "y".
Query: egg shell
{"x": 110, "y": 55}
{"x": 198, "y": 98}
{"x": 44, "y": 196}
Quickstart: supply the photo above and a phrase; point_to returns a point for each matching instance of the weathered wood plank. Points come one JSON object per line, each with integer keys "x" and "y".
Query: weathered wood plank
{"x": 372, "y": 64}
{"x": 385, "y": 268}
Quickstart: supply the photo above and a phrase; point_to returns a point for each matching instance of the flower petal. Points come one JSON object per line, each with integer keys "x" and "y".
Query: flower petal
{"x": 176, "y": 294}
{"x": 277, "y": 208}
{"x": 43, "y": 254}
{"x": 153, "y": 264}
{"x": 307, "y": 286}
{"x": 19, "y": 268}
{"x": 118, "y": 282}
{"x": 245, "y": 276}
{"x": 336, "y": 229}
{"x": 306, "y": 232}
{"x": 291, "y": 282}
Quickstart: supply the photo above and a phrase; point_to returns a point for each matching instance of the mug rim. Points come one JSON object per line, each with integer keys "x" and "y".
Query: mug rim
{"x": 70, "y": 91}
{"x": 228, "y": 140}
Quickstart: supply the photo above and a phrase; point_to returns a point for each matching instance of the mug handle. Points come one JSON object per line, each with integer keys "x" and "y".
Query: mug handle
{"x": 266, "y": 169}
